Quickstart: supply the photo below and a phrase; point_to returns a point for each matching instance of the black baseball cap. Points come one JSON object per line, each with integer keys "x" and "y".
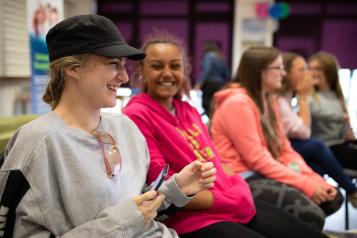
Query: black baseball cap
{"x": 88, "y": 34}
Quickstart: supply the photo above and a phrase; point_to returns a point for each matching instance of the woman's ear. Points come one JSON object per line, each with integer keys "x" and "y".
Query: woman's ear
{"x": 72, "y": 71}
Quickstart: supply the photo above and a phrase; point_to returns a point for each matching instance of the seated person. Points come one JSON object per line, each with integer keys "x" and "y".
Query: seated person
{"x": 247, "y": 131}
{"x": 75, "y": 172}
{"x": 297, "y": 126}
{"x": 329, "y": 116}
{"x": 176, "y": 135}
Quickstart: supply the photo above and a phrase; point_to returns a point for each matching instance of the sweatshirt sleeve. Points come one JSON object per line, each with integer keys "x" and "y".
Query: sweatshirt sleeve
{"x": 288, "y": 154}
{"x": 173, "y": 193}
{"x": 242, "y": 126}
{"x": 313, "y": 177}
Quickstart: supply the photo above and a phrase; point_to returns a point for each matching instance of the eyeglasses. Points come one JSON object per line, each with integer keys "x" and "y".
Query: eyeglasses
{"x": 279, "y": 67}
{"x": 110, "y": 151}
{"x": 315, "y": 69}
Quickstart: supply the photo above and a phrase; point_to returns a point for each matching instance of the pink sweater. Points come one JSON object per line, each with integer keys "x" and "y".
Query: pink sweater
{"x": 179, "y": 140}
{"x": 239, "y": 139}
{"x": 294, "y": 126}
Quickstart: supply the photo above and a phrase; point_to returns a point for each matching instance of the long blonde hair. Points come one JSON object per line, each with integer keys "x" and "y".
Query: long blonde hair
{"x": 249, "y": 75}
{"x": 56, "y": 84}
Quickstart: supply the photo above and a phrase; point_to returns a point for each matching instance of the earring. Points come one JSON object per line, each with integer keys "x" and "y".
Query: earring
{"x": 142, "y": 79}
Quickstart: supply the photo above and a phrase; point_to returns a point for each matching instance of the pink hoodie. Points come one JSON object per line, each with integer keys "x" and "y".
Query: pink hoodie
{"x": 239, "y": 139}
{"x": 179, "y": 140}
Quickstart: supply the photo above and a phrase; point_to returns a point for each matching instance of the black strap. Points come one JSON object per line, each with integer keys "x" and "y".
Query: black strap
{"x": 2, "y": 158}
{"x": 167, "y": 213}
{"x": 15, "y": 189}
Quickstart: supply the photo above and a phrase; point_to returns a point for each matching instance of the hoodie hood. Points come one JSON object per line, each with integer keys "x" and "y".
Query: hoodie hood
{"x": 221, "y": 96}
{"x": 146, "y": 100}
{"x": 143, "y": 100}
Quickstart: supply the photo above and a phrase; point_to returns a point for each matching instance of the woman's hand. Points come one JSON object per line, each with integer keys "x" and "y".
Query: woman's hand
{"x": 305, "y": 86}
{"x": 196, "y": 177}
{"x": 320, "y": 195}
{"x": 148, "y": 203}
{"x": 331, "y": 193}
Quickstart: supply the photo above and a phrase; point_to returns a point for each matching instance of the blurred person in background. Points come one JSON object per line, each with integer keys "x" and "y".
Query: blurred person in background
{"x": 329, "y": 114}
{"x": 214, "y": 74}
{"x": 297, "y": 124}
{"x": 247, "y": 131}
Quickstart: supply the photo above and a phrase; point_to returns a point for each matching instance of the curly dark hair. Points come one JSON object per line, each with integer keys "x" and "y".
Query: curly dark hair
{"x": 160, "y": 36}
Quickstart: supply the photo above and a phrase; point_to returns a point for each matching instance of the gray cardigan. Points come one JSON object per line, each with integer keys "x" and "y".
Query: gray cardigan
{"x": 66, "y": 191}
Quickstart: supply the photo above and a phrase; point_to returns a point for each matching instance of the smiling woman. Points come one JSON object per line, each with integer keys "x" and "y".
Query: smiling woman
{"x": 102, "y": 76}
{"x": 87, "y": 157}
{"x": 177, "y": 136}
{"x": 163, "y": 76}
{"x": 168, "y": 75}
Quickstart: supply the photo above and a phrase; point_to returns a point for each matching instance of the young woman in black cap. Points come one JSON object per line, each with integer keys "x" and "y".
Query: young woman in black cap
{"x": 75, "y": 172}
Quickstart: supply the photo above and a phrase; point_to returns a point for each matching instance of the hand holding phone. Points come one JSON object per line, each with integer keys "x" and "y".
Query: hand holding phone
{"x": 155, "y": 185}
{"x": 149, "y": 203}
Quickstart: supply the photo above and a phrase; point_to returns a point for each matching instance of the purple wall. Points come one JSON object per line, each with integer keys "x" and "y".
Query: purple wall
{"x": 163, "y": 8}
{"x": 193, "y": 22}
{"x": 302, "y": 45}
{"x": 177, "y": 27}
{"x": 340, "y": 37}
{"x": 125, "y": 29}
{"x": 314, "y": 26}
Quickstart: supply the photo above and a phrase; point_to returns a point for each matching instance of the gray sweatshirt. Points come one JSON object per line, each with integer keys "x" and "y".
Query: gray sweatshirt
{"x": 327, "y": 118}
{"x": 63, "y": 186}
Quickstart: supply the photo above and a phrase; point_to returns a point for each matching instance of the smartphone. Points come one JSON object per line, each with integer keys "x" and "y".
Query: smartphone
{"x": 155, "y": 185}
